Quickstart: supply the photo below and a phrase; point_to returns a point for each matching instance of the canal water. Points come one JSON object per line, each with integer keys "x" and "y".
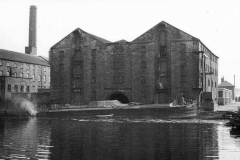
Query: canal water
{"x": 116, "y": 138}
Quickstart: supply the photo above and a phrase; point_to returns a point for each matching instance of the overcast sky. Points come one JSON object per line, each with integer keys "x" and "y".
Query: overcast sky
{"x": 215, "y": 22}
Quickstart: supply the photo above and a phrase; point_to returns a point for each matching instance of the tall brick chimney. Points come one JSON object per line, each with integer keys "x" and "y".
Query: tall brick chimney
{"x": 32, "y": 47}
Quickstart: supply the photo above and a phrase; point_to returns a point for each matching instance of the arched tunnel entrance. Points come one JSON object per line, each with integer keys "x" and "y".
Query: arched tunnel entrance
{"x": 119, "y": 96}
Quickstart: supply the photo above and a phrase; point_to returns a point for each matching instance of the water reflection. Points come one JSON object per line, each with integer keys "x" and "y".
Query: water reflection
{"x": 110, "y": 138}
{"x": 229, "y": 148}
{"x": 92, "y": 140}
{"x": 22, "y": 138}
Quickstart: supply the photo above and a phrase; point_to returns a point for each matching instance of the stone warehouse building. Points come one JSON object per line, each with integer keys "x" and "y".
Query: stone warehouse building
{"x": 157, "y": 67}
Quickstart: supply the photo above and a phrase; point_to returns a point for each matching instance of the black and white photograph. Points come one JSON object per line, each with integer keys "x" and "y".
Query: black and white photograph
{"x": 119, "y": 80}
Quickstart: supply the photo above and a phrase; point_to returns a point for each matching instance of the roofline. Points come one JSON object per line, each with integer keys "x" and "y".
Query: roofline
{"x": 207, "y": 48}
{"x": 191, "y": 36}
{"x": 23, "y": 55}
{"x": 44, "y": 58}
{"x": 179, "y": 29}
{"x": 24, "y": 62}
{"x": 79, "y": 29}
{"x": 63, "y": 38}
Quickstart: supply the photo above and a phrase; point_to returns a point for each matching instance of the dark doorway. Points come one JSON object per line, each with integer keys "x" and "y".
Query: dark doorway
{"x": 119, "y": 96}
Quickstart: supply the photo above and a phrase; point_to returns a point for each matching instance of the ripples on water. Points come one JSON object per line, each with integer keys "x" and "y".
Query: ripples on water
{"x": 110, "y": 137}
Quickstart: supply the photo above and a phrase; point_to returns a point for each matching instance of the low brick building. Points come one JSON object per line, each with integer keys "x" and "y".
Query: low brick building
{"x": 227, "y": 85}
{"x": 224, "y": 96}
{"x": 22, "y": 73}
{"x": 157, "y": 67}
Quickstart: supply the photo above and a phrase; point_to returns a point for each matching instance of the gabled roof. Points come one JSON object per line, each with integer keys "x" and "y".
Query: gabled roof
{"x": 163, "y": 22}
{"x": 22, "y": 57}
{"x": 82, "y": 31}
{"x": 225, "y": 84}
{"x": 124, "y": 41}
{"x": 121, "y": 41}
{"x": 192, "y": 37}
{"x": 95, "y": 37}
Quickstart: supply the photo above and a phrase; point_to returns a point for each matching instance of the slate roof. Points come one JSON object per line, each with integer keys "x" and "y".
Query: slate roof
{"x": 225, "y": 84}
{"x": 22, "y": 57}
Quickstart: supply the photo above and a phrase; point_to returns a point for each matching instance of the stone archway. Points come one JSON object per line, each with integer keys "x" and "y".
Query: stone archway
{"x": 119, "y": 96}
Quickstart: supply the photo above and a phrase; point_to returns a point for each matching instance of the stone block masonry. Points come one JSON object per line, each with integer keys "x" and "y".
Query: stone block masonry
{"x": 157, "y": 67}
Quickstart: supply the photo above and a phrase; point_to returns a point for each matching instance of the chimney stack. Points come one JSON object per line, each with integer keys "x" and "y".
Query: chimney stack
{"x": 32, "y": 47}
{"x": 222, "y": 79}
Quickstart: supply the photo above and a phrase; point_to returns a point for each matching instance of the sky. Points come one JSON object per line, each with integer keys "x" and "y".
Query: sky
{"x": 215, "y": 22}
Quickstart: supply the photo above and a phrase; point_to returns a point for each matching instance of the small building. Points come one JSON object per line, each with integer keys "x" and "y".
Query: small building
{"x": 224, "y": 96}
{"x": 227, "y": 85}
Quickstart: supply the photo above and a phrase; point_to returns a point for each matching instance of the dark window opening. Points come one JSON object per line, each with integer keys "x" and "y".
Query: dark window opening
{"x": 163, "y": 51}
{"x": 9, "y": 88}
{"x": 220, "y": 93}
{"x": 93, "y": 95}
{"x": 28, "y": 89}
{"x": 16, "y": 88}
{"x": 22, "y": 88}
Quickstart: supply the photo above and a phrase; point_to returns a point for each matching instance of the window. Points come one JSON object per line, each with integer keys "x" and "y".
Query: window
{"x": 93, "y": 79}
{"x": 220, "y": 93}
{"x": 143, "y": 80}
{"x": 27, "y": 89}
{"x": 8, "y": 64}
{"x": 143, "y": 64}
{"x": 44, "y": 78}
{"x": 77, "y": 68}
{"x": 14, "y": 65}
{"x": 93, "y": 95}
{"x": 9, "y": 88}
{"x": 16, "y": 88}
{"x": 0, "y": 62}
{"x": 1, "y": 73}
{"x": 28, "y": 75}
{"x": 209, "y": 83}
{"x": 76, "y": 83}
{"x": 8, "y": 72}
{"x": 163, "y": 51}
{"x": 22, "y": 89}
{"x": 28, "y": 66}
{"x": 34, "y": 89}
{"x": 39, "y": 78}
{"x": 78, "y": 90}
{"x": 93, "y": 53}
{"x": 21, "y": 74}
{"x": 163, "y": 69}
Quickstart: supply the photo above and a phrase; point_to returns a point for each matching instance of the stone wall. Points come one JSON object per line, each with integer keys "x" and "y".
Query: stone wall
{"x": 38, "y": 73}
{"x": 156, "y": 67}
